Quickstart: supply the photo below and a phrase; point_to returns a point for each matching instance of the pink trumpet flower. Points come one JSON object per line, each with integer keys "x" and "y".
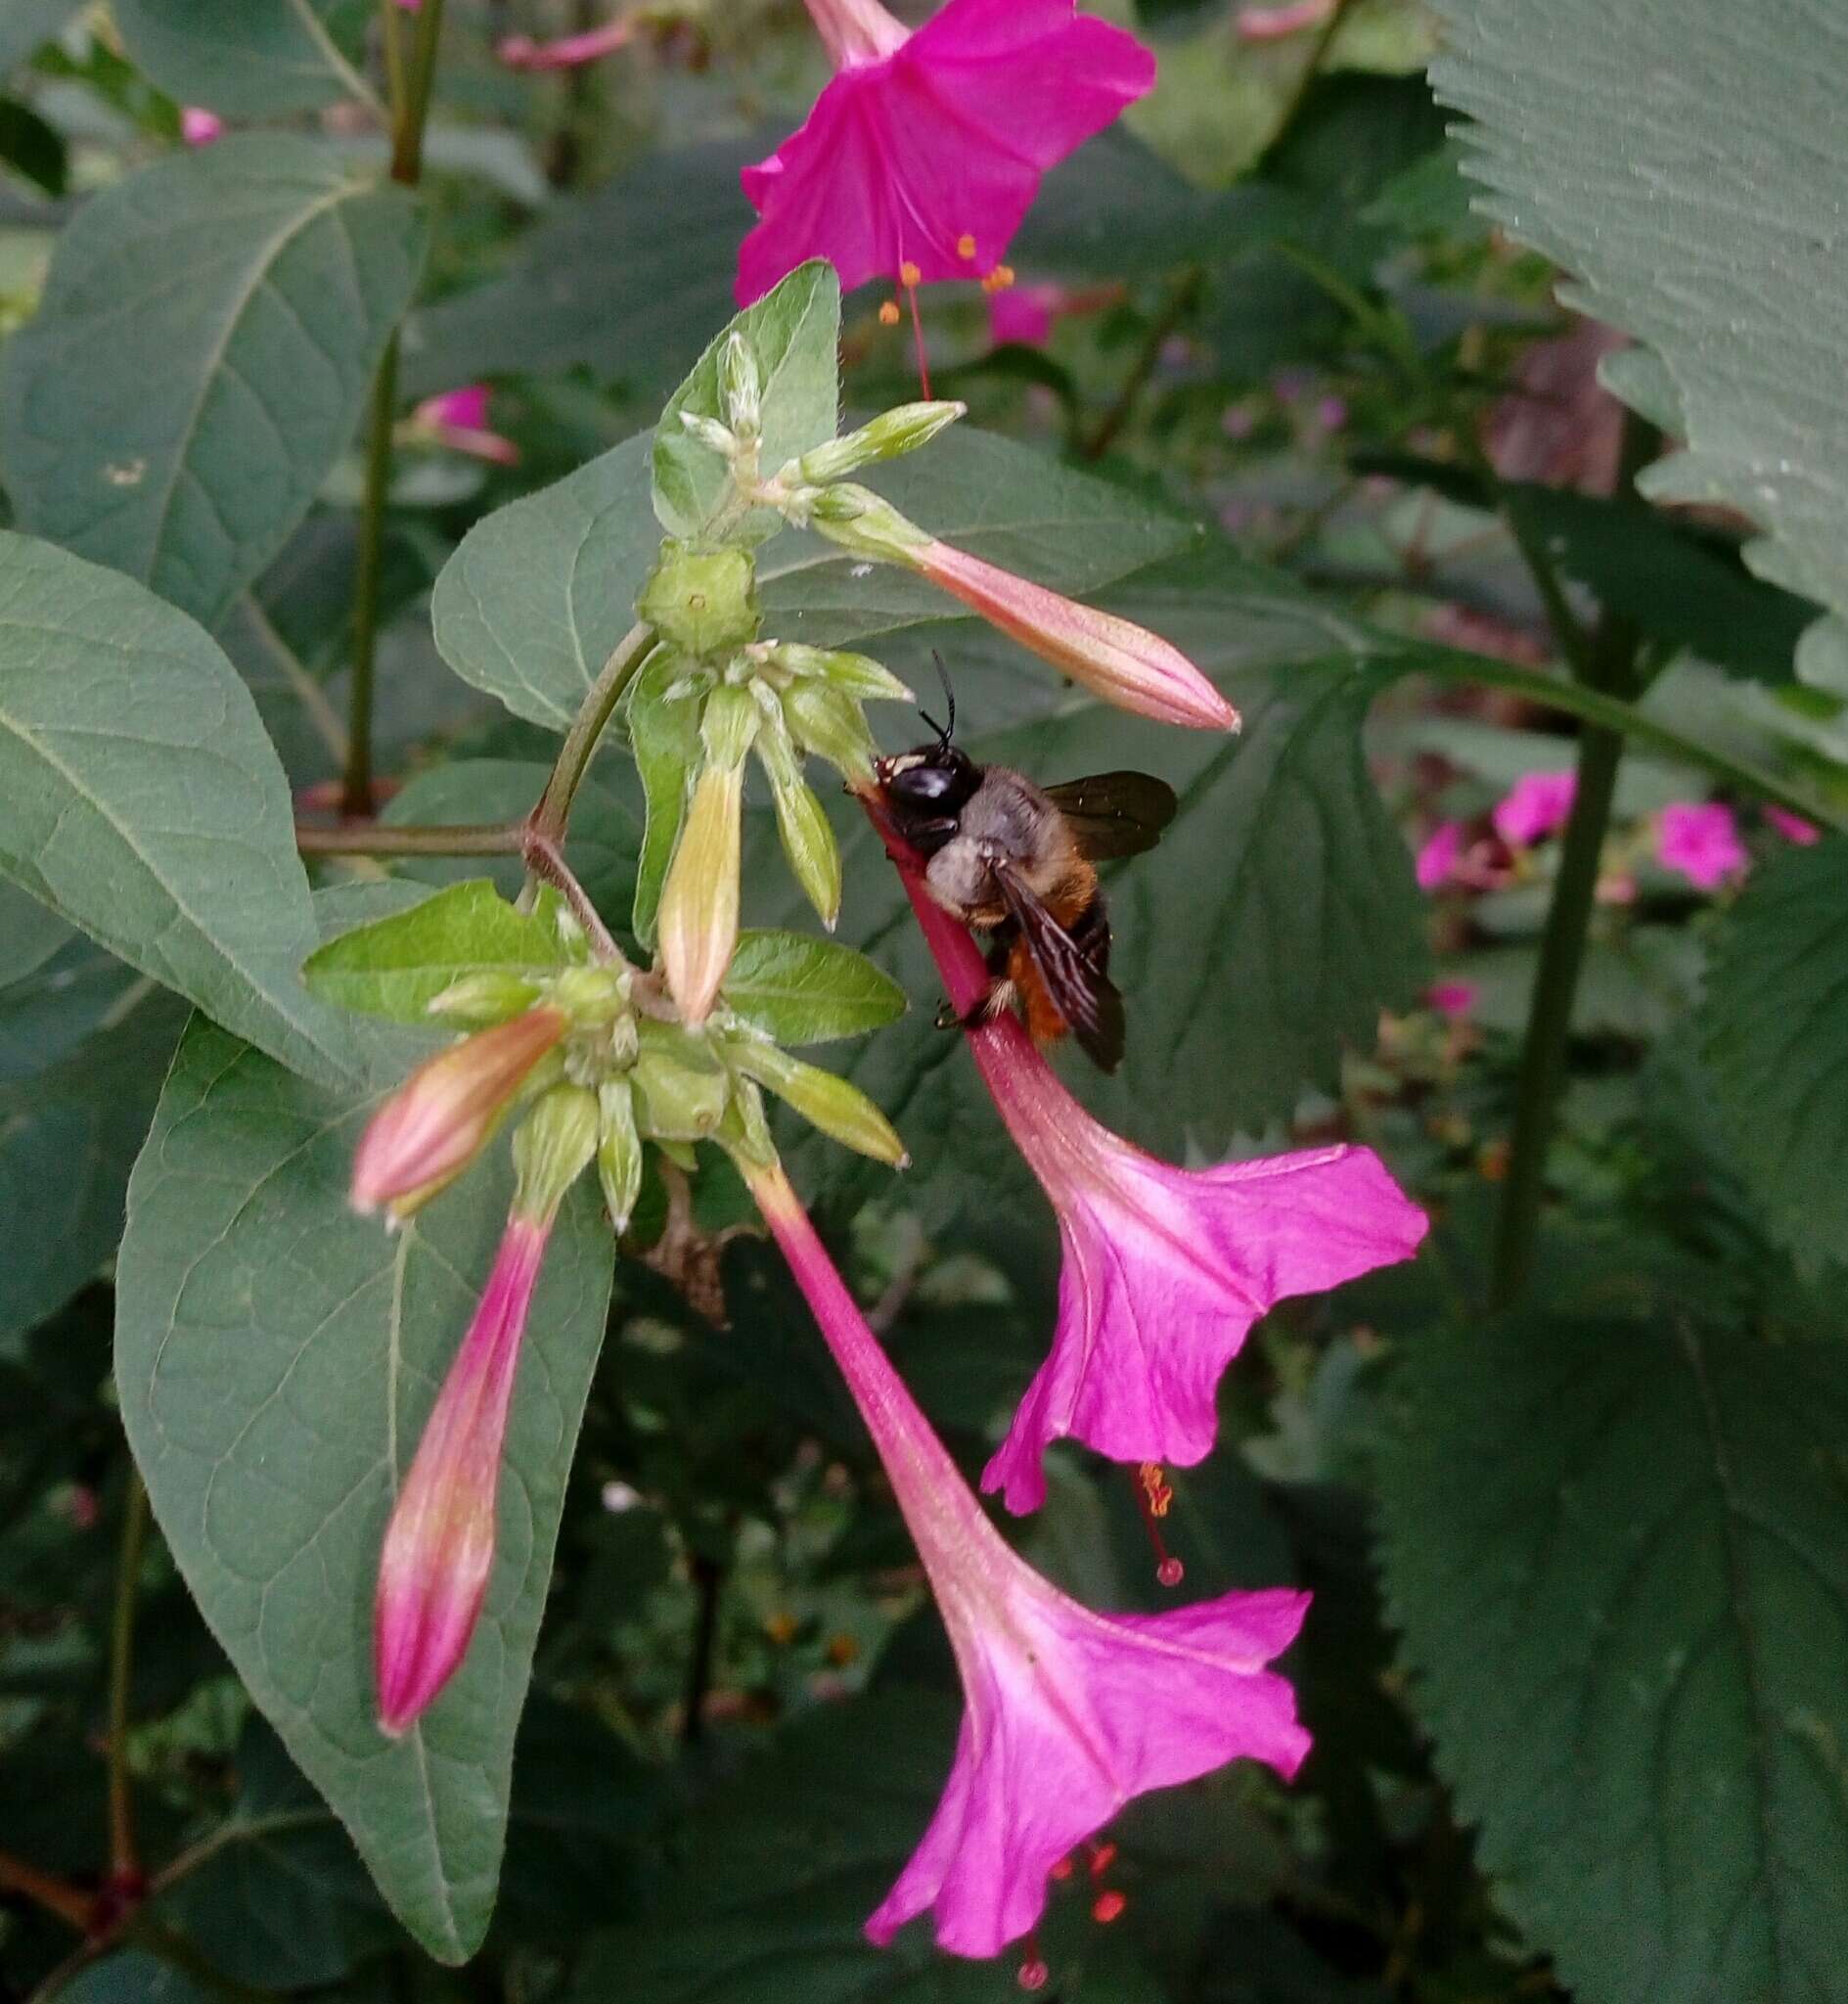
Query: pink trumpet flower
{"x": 439, "y": 1546}
{"x": 458, "y": 419}
{"x": 1439, "y": 856}
{"x": 1165, "y": 1269}
{"x": 1071, "y": 1713}
{"x": 569, "y": 52}
{"x": 1700, "y": 841}
{"x": 922, "y": 158}
{"x": 1793, "y": 828}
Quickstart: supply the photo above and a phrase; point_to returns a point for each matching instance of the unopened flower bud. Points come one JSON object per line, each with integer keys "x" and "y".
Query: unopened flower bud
{"x": 681, "y": 1089}
{"x": 485, "y": 998}
{"x": 710, "y": 434}
{"x": 619, "y": 1151}
{"x": 853, "y": 674}
{"x": 740, "y": 387}
{"x": 745, "y": 1131}
{"x": 1122, "y": 662}
{"x": 808, "y": 841}
{"x": 440, "y": 1118}
{"x": 591, "y": 995}
{"x": 703, "y": 601}
{"x": 697, "y": 923}
{"x": 730, "y": 724}
{"x": 829, "y": 723}
{"x": 439, "y": 1546}
{"x": 823, "y": 1099}
{"x": 888, "y": 436}
{"x": 551, "y": 1149}
{"x": 857, "y": 520}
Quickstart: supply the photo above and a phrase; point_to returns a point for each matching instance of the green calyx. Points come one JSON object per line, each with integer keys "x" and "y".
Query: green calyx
{"x": 551, "y": 1148}
{"x": 703, "y": 602}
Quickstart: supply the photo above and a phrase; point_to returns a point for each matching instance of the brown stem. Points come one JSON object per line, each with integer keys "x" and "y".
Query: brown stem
{"x": 375, "y": 839}
{"x": 58, "y": 1897}
{"x": 1180, "y": 304}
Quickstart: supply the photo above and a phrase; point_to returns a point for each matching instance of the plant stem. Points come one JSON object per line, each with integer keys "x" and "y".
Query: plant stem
{"x": 1306, "y": 81}
{"x": 125, "y": 1861}
{"x": 356, "y": 791}
{"x": 546, "y": 860}
{"x": 553, "y": 814}
{"x": 373, "y": 839}
{"x": 410, "y": 112}
{"x": 69, "y": 1903}
{"x": 1180, "y": 302}
{"x": 709, "y": 1580}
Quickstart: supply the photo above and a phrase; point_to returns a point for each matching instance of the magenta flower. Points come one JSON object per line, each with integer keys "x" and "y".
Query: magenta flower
{"x": 1535, "y": 806}
{"x": 921, "y": 160}
{"x": 1023, "y": 315}
{"x": 458, "y": 419}
{"x": 1437, "y": 859}
{"x": 1069, "y": 1714}
{"x": 199, "y": 127}
{"x": 1793, "y": 828}
{"x": 1701, "y": 843}
{"x": 1455, "y": 999}
{"x": 1165, "y": 1269}
{"x": 439, "y": 1545}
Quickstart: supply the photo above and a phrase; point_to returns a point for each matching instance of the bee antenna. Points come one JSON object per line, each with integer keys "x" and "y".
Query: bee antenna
{"x": 945, "y": 731}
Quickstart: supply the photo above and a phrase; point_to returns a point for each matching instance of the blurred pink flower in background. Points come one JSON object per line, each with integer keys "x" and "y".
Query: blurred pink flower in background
{"x": 1024, "y": 314}
{"x": 920, "y": 160}
{"x": 1701, "y": 841}
{"x": 458, "y": 419}
{"x": 1273, "y": 24}
{"x": 1438, "y": 857}
{"x": 569, "y": 52}
{"x": 1793, "y": 827}
{"x": 1534, "y": 807}
{"x": 1455, "y": 999}
{"x": 1559, "y": 425}
{"x": 199, "y": 127}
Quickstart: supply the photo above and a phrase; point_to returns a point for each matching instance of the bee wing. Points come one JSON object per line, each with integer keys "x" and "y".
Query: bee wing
{"x": 1114, "y": 813}
{"x": 1083, "y": 993}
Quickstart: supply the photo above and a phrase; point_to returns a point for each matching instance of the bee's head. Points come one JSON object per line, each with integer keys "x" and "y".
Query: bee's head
{"x": 926, "y": 788}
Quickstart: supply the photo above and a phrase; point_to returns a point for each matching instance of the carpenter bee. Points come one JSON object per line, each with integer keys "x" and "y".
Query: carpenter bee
{"x": 1016, "y": 860}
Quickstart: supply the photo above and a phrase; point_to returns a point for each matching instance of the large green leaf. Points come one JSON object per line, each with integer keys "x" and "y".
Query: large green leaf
{"x": 1777, "y": 1024}
{"x": 141, "y": 801}
{"x": 250, "y": 59}
{"x": 601, "y": 285}
{"x": 1615, "y": 1551}
{"x": 537, "y": 597}
{"x": 29, "y": 934}
{"x": 203, "y": 349}
{"x": 1687, "y": 161}
{"x": 276, "y": 1357}
{"x": 68, "y": 1138}
{"x": 793, "y": 335}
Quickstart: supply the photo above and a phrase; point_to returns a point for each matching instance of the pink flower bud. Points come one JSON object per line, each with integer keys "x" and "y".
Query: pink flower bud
{"x": 1124, "y": 664}
{"x": 439, "y": 1119}
{"x": 439, "y": 1545}
{"x": 199, "y": 127}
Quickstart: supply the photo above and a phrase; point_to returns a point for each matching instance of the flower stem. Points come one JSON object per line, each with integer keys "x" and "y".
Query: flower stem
{"x": 554, "y": 811}
{"x": 374, "y": 839}
{"x": 410, "y": 112}
{"x": 1178, "y": 305}
{"x": 69, "y": 1903}
{"x": 124, "y": 1862}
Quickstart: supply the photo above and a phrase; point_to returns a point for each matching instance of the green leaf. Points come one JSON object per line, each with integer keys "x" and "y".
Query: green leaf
{"x": 68, "y": 1138}
{"x": 794, "y": 335}
{"x": 141, "y": 801}
{"x": 601, "y": 285}
{"x": 265, "y": 276}
{"x": 29, "y": 935}
{"x": 398, "y": 966}
{"x": 1615, "y": 1552}
{"x": 798, "y": 989}
{"x": 134, "y": 1977}
{"x": 278, "y": 1899}
{"x": 277, "y": 1357}
{"x": 1776, "y": 1042}
{"x": 1702, "y": 221}
{"x": 248, "y": 59}
{"x": 33, "y": 148}
{"x": 539, "y": 595}
{"x": 27, "y": 26}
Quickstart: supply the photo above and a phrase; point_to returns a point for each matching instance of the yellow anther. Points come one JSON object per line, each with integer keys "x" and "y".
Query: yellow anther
{"x": 909, "y": 274}
{"x": 889, "y": 313}
{"x": 965, "y": 246}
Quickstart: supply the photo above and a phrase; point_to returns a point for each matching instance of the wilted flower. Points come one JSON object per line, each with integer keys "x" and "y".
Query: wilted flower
{"x": 1165, "y": 1269}
{"x": 1071, "y": 1713}
{"x": 199, "y": 127}
{"x": 439, "y": 1545}
{"x": 440, "y": 1118}
{"x": 1700, "y": 842}
{"x": 1793, "y": 828}
{"x": 920, "y": 160}
{"x": 1438, "y": 857}
{"x": 1537, "y": 804}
